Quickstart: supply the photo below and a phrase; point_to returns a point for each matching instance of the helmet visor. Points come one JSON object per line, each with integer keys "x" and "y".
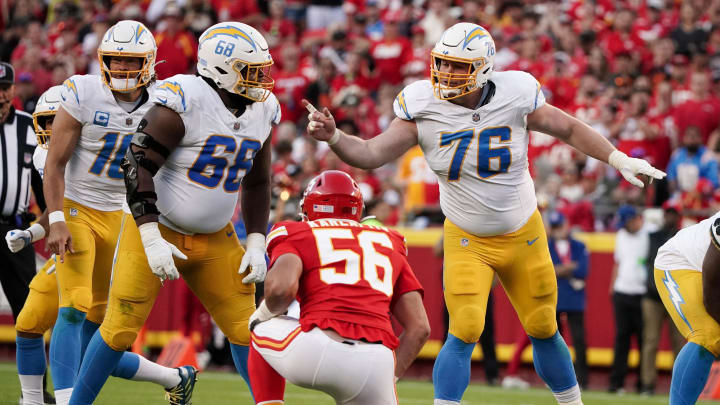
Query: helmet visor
{"x": 41, "y": 121}
{"x": 254, "y": 81}
{"x": 460, "y": 81}
{"x": 125, "y": 80}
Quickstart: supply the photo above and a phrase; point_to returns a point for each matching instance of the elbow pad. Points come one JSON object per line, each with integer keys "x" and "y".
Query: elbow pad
{"x": 715, "y": 233}
{"x": 141, "y": 202}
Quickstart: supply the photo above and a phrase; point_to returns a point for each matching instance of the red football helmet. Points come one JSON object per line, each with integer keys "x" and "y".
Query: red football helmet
{"x": 332, "y": 194}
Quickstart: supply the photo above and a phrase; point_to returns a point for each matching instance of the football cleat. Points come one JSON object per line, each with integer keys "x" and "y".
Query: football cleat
{"x": 181, "y": 394}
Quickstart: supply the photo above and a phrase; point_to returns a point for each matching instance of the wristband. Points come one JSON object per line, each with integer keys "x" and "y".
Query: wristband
{"x": 256, "y": 240}
{"x": 616, "y": 158}
{"x": 37, "y": 232}
{"x": 56, "y": 216}
{"x": 335, "y": 138}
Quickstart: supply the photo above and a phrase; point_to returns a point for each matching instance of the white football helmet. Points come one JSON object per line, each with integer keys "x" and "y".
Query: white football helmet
{"x": 129, "y": 39}
{"x": 465, "y": 43}
{"x": 236, "y": 57}
{"x": 46, "y": 108}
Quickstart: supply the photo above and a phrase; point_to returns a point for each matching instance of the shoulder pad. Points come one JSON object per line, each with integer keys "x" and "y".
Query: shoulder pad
{"x": 172, "y": 93}
{"x": 272, "y": 109}
{"x": 411, "y": 102}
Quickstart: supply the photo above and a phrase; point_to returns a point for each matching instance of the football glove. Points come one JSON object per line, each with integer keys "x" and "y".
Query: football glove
{"x": 18, "y": 239}
{"x": 160, "y": 252}
{"x": 261, "y": 314}
{"x": 631, "y": 167}
{"x": 255, "y": 258}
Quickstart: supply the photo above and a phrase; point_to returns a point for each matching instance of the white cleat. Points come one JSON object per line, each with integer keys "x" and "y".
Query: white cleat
{"x": 512, "y": 381}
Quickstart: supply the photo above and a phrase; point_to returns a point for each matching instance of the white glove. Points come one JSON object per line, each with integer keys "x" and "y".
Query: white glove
{"x": 255, "y": 258}
{"x": 51, "y": 269}
{"x": 261, "y": 314}
{"x": 631, "y": 167}
{"x": 18, "y": 239}
{"x": 160, "y": 252}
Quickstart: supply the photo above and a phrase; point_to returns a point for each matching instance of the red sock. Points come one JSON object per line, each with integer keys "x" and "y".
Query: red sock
{"x": 268, "y": 386}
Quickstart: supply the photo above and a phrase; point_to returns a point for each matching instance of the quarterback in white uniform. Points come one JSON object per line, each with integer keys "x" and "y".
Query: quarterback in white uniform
{"x": 85, "y": 193}
{"x": 205, "y": 137}
{"x": 687, "y": 276}
{"x": 472, "y": 124}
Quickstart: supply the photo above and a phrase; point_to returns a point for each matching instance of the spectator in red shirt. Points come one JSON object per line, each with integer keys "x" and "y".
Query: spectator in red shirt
{"x": 621, "y": 37}
{"x": 357, "y": 73}
{"x": 391, "y": 52}
{"x": 176, "y": 46}
{"x": 276, "y": 28}
{"x": 531, "y": 60}
{"x": 290, "y": 84}
{"x": 418, "y": 66}
{"x": 701, "y": 110}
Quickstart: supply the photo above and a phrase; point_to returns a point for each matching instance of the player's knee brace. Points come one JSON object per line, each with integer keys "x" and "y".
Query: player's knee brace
{"x": 541, "y": 322}
{"x": 468, "y": 322}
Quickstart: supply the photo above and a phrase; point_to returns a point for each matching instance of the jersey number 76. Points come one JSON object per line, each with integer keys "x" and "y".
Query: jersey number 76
{"x": 487, "y": 154}
{"x": 357, "y": 266}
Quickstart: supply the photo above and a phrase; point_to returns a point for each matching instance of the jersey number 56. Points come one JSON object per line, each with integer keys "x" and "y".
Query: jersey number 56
{"x": 365, "y": 266}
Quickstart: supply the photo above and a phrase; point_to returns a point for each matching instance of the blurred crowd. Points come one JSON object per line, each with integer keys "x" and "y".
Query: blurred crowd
{"x": 644, "y": 73}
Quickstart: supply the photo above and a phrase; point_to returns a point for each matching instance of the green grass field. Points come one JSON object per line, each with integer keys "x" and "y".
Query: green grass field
{"x": 228, "y": 388}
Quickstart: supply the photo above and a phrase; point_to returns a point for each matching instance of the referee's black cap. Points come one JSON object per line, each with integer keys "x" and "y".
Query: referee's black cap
{"x": 7, "y": 73}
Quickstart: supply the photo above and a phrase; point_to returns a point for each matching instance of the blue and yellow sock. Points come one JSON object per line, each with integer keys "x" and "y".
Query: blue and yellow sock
{"x": 451, "y": 372}
{"x": 65, "y": 347}
{"x": 100, "y": 360}
{"x": 690, "y": 373}
{"x": 240, "y": 358}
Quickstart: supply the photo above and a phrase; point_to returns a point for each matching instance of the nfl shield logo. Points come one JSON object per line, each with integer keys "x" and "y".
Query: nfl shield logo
{"x": 27, "y": 158}
{"x": 464, "y": 242}
{"x": 2, "y": 71}
{"x": 128, "y": 121}
{"x": 476, "y": 116}
{"x": 236, "y": 126}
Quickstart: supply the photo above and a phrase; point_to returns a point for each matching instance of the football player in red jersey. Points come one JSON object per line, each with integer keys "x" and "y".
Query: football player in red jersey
{"x": 348, "y": 278}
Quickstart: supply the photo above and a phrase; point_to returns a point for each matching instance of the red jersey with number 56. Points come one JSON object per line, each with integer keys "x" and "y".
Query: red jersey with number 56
{"x": 352, "y": 275}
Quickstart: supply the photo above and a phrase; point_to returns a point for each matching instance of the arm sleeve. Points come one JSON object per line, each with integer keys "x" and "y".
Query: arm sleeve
{"x": 70, "y": 96}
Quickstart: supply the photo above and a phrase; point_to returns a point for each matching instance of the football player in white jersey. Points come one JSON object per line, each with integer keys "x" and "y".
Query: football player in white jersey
{"x": 84, "y": 186}
{"x": 472, "y": 124}
{"x": 687, "y": 276}
{"x": 205, "y": 137}
{"x": 41, "y": 307}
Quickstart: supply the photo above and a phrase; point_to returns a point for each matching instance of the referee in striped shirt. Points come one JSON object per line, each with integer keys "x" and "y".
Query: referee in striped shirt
{"x": 17, "y": 177}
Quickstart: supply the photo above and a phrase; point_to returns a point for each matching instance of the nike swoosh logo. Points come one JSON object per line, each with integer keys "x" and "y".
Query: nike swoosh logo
{"x": 164, "y": 101}
{"x": 229, "y": 234}
{"x": 530, "y": 242}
